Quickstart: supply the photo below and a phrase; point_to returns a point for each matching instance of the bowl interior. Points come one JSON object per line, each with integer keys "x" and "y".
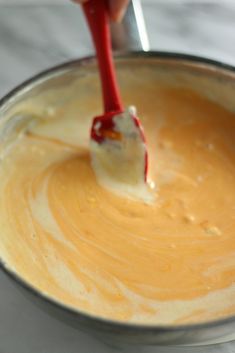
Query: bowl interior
{"x": 74, "y": 84}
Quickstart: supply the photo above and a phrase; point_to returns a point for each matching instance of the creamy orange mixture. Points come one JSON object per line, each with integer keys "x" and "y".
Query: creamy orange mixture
{"x": 170, "y": 261}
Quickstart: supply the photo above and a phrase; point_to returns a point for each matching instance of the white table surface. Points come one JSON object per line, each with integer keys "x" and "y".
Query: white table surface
{"x": 35, "y": 35}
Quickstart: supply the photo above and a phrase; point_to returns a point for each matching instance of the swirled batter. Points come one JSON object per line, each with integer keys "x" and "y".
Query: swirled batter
{"x": 169, "y": 261}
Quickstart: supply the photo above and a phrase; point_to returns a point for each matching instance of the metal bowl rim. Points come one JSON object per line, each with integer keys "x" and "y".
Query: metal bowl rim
{"x": 118, "y": 325}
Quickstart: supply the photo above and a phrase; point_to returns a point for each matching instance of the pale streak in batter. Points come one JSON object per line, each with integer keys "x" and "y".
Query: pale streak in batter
{"x": 172, "y": 261}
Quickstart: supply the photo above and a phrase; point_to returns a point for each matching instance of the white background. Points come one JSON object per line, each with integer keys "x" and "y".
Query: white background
{"x": 40, "y": 34}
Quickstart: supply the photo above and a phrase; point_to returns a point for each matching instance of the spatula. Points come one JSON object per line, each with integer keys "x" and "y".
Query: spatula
{"x": 118, "y": 146}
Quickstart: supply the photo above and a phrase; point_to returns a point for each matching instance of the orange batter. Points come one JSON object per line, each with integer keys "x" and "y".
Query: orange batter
{"x": 169, "y": 261}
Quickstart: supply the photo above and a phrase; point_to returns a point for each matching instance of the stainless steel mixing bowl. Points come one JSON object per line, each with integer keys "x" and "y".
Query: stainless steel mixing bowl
{"x": 212, "y": 79}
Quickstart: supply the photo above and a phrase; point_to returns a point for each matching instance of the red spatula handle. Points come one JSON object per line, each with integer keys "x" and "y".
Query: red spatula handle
{"x": 96, "y": 13}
